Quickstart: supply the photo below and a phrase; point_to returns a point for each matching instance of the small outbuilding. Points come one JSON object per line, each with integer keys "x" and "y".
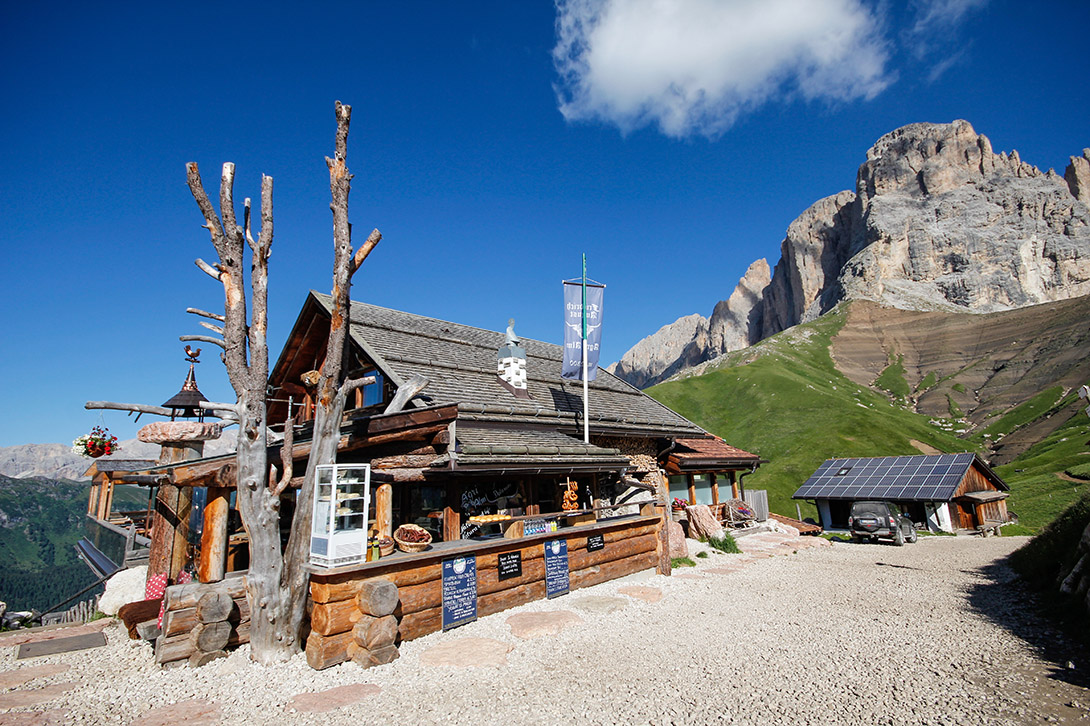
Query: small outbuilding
{"x": 948, "y": 492}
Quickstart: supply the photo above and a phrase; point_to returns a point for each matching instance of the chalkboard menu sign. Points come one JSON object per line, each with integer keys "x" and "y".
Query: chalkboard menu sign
{"x": 510, "y": 565}
{"x": 596, "y": 542}
{"x": 459, "y": 591}
{"x": 556, "y": 568}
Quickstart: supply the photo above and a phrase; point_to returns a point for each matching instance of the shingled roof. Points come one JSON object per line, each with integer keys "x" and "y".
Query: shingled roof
{"x": 708, "y": 454}
{"x": 459, "y": 362}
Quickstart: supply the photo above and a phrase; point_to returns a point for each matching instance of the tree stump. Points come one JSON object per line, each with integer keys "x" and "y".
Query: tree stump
{"x": 210, "y": 637}
{"x": 377, "y": 597}
{"x": 381, "y": 656}
{"x": 372, "y": 633}
{"x": 201, "y": 658}
{"x": 214, "y": 606}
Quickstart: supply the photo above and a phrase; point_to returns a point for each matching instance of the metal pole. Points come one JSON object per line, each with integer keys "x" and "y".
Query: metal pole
{"x": 586, "y": 403}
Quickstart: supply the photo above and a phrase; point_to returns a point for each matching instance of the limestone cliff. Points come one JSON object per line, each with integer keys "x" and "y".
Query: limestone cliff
{"x": 646, "y": 361}
{"x": 937, "y": 221}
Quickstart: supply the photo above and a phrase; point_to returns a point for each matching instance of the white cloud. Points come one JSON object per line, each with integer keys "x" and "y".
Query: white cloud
{"x": 936, "y": 15}
{"x": 692, "y": 66}
{"x": 934, "y": 32}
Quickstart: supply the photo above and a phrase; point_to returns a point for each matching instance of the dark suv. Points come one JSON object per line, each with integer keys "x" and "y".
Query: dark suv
{"x": 871, "y": 520}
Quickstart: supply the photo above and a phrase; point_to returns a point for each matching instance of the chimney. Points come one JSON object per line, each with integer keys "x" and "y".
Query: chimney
{"x": 511, "y": 364}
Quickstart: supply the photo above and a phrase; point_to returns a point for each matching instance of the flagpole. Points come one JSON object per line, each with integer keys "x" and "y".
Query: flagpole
{"x": 586, "y": 403}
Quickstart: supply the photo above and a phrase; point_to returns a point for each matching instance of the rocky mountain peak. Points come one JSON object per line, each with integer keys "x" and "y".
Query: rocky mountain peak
{"x": 937, "y": 221}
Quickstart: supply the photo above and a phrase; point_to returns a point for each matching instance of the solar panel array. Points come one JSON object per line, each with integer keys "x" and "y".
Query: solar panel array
{"x": 898, "y": 478}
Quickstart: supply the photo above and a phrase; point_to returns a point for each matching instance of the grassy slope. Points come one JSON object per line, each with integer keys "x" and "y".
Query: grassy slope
{"x": 41, "y": 520}
{"x": 785, "y": 400}
{"x": 1038, "y": 494}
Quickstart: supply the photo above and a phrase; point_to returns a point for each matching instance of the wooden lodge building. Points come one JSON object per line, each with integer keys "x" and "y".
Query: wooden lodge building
{"x": 948, "y": 492}
{"x": 495, "y": 431}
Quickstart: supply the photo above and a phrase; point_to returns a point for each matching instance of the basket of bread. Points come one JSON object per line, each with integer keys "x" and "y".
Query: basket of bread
{"x": 411, "y": 538}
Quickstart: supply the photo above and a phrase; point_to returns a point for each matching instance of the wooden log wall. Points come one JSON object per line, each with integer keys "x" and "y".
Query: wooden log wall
{"x": 337, "y": 616}
{"x": 202, "y": 621}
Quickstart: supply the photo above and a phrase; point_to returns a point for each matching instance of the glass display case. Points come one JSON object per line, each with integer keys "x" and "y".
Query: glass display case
{"x": 339, "y": 525}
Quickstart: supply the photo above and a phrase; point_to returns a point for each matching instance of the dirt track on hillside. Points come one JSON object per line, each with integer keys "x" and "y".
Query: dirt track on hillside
{"x": 983, "y": 363}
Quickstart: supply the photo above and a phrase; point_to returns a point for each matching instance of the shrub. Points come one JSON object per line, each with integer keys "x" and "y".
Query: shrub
{"x": 702, "y": 555}
{"x": 725, "y": 543}
{"x": 681, "y": 562}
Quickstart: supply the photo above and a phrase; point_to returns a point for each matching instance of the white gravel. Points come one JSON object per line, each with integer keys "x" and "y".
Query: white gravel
{"x": 931, "y": 633}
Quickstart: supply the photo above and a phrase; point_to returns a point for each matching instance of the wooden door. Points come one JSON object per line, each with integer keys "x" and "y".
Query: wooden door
{"x": 965, "y": 517}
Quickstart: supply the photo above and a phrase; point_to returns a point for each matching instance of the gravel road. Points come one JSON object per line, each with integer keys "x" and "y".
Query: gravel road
{"x": 932, "y": 633}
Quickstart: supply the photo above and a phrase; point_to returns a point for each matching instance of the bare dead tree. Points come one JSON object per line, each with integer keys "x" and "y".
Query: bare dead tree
{"x": 277, "y": 582}
{"x": 333, "y": 386}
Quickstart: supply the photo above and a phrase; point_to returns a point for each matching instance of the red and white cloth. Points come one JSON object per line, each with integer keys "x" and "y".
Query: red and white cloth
{"x": 156, "y": 588}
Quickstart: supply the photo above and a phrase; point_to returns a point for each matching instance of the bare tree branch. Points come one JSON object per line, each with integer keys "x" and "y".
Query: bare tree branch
{"x": 246, "y": 225}
{"x": 203, "y": 339}
{"x": 227, "y": 212}
{"x": 209, "y": 269}
{"x": 211, "y": 221}
{"x": 365, "y": 249}
{"x": 405, "y": 393}
{"x": 286, "y": 459}
{"x": 259, "y": 280}
{"x": 137, "y": 407}
{"x": 213, "y": 328}
{"x": 353, "y": 383}
{"x": 205, "y": 314}
{"x": 214, "y": 406}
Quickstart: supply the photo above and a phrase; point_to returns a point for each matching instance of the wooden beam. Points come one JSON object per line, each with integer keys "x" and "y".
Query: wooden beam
{"x": 179, "y": 556}
{"x": 213, "y": 559}
{"x": 163, "y": 522}
{"x": 384, "y": 510}
{"x": 452, "y": 517}
{"x": 406, "y": 426}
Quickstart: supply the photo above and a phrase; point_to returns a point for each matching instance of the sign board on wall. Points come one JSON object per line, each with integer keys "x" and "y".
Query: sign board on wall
{"x": 556, "y": 568}
{"x": 509, "y": 564}
{"x": 596, "y": 542}
{"x": 459, "y": 591}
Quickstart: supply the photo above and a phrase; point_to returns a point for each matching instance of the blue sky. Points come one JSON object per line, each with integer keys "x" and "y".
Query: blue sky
{"x": 492, "y": 143}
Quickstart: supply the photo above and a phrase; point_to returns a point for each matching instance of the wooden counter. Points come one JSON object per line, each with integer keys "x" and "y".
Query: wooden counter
{"x": 632, "y": 543}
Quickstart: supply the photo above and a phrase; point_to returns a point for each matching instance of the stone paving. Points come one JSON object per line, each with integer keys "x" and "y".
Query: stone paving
{"x": 541, "y": 624}
{"x": 333, "y": 698}
{"x": 467, "y": 653}
{"x": 191, "y": 712}
{"x": 464, "y": 652}
{"x": 641, "y": 592}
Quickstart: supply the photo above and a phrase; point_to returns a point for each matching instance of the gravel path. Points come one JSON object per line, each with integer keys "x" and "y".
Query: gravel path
{"x": 931, "y": 633}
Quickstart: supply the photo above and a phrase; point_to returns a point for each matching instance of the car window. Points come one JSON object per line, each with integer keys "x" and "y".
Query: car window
{"x": 877, "y": 508}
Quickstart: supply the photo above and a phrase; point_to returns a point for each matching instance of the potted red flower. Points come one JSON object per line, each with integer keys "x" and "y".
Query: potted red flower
{"x": 95, "y": 444}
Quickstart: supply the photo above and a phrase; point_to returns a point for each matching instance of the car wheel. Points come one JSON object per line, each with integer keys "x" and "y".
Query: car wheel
{"x": 912, "y": 536}
{"x": 899, "y": 537}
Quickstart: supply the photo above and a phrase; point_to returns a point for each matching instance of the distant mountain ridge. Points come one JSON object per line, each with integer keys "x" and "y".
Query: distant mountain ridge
{"x": 57, "y": 461}
{"x": 937, "y": 222}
